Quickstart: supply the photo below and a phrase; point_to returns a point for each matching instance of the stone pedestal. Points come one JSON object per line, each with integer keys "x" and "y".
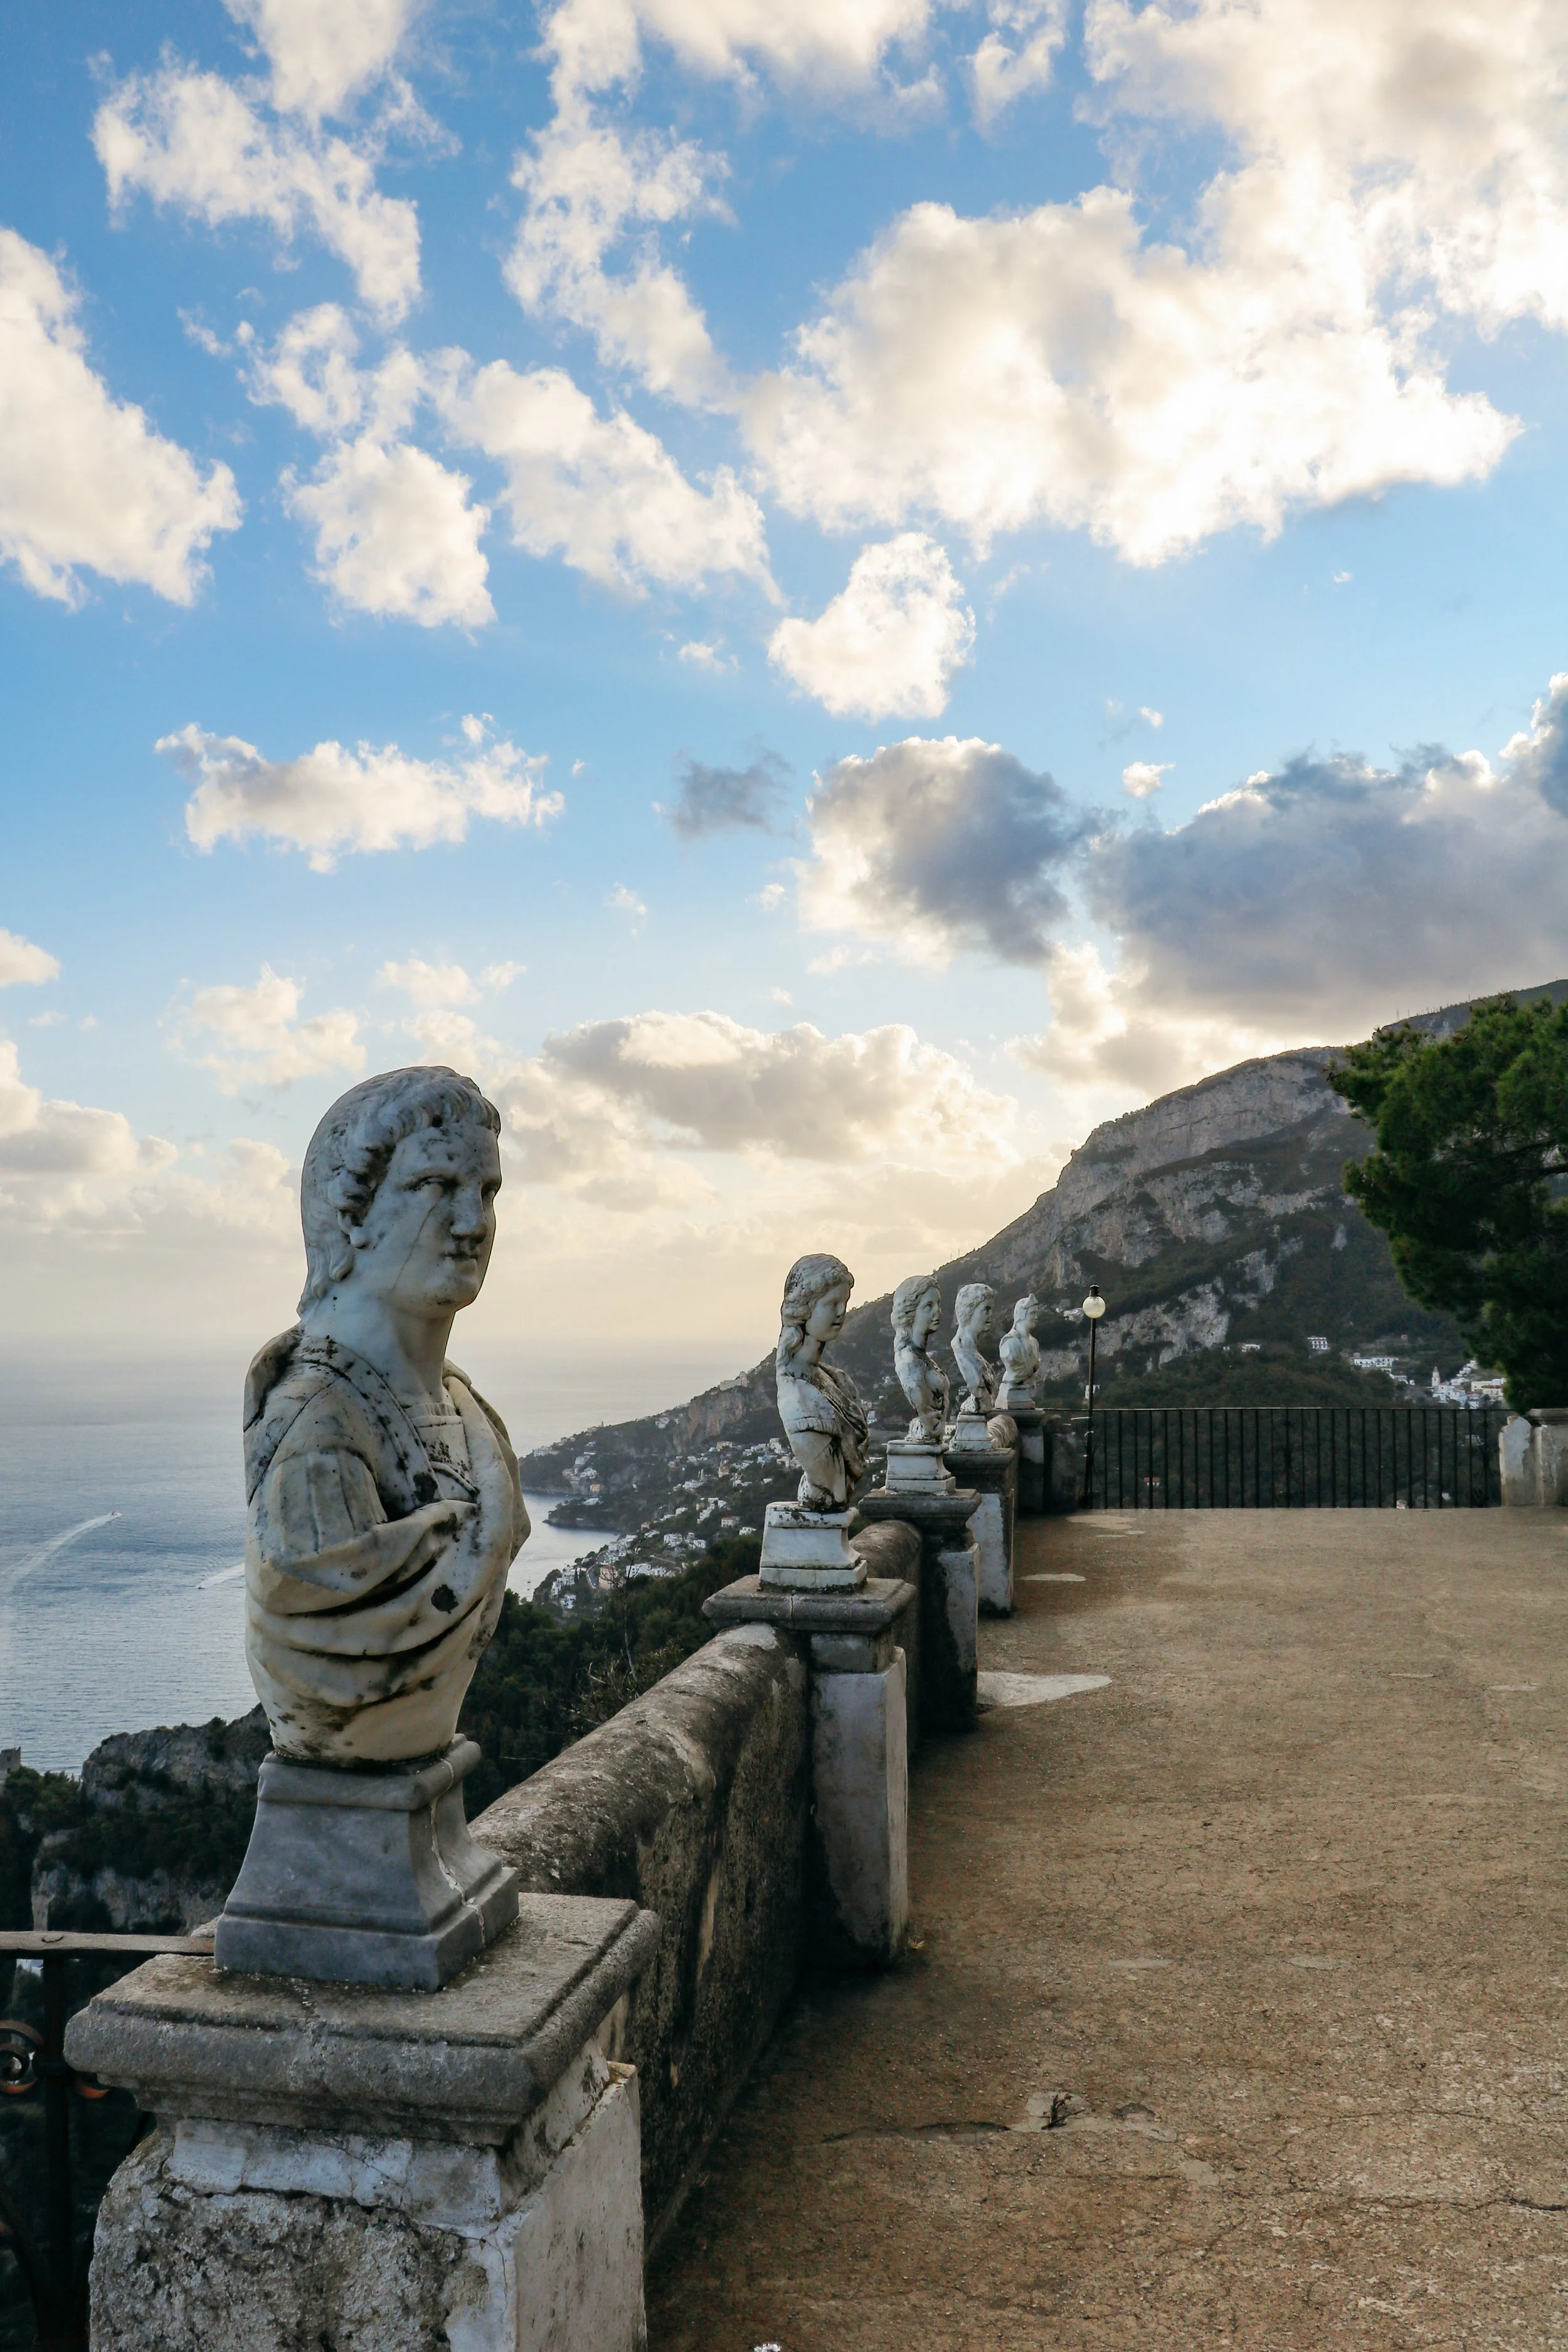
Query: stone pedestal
{"x": 915, "y": 1467}
{"x": 364, "y": 1877}
{"x": 1030, "y": 1423}
{"x": 1534, "y": 1454}
{"x": 993, "y": 1471}
{"x": 809, "y": 1552}
{"x": 949, "y": 1600}
{"x": 860, "y": 1771}
{"x": 379, "y": 2171}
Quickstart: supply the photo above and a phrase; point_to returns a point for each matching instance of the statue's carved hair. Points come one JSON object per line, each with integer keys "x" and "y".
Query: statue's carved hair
{"x": 970, "y": 1296}
{"x": 908, "y": 1296}
{"x": 806, "y": 1280}
{"x": 353, "y": 1147}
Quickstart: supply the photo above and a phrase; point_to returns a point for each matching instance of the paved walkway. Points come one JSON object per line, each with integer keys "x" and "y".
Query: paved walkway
{"x": 1240, "y": 2014}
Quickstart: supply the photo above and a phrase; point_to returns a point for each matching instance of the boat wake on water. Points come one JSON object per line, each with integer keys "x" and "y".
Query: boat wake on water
{"x": 224, "y": 1576}
{"x": 46, "y": 1552}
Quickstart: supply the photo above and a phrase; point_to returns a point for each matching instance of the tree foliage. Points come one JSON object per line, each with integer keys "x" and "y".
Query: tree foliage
{"x": 1467, "y": 1180}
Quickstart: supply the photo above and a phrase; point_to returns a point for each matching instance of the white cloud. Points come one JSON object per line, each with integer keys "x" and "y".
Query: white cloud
{"x": 1058, "y": 366}
{"x": 1440, "y": 133}
{"x": 1113, "y": 1039}
{"x": 310, "y": 370}
{"x": 1310, "y": 904}
{"x": 52, "y": 1140}
{"x": 828, "y": 44}
{"x": 623, "y": 901}
{"x": 1017, "y": 55}
{"x": 602, "y": 492}
{"x": 698, "y": 654}
{"x": 255, "y": 1036}
{"x": 591, "y": 189}
{"x": 1332, "y": 893}
{"x": 1383, "y": 172}
{"x": 192, "y": 141}
{"x": 322, "y": 55}
{"x": 85, "y": 482}
{"x": 396, "y": 534}
{"x": 889, "y": 640}
{"x": 331, "y": 801}
{"x": 429, "y": 985}
{"x": 941, "y": 847}
{"x": 586, "y": 186}
{"x": 1142, "y": 777}
{"x": 24, "y": 965}
{"x": 1154, "y": 718}
{"x": 614, "y": 1097}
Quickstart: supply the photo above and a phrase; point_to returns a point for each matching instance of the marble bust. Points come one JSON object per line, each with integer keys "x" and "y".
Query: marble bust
{"x": 971, "y": 1317}
{"x": 917, "y": 1313}
{"x": 819, "y": 1405}
{"x": 383, "y": 1498}
{"x": 1020, "y": 1352}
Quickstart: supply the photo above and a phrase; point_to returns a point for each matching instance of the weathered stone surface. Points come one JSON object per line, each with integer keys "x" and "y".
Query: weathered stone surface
{"x": 949, "y": 1599}
{"x": 693, "y": 1800}
{"x": 465, "y": 2064}
{"x": 860, "y": 1772}
{"x": 809, "y": 1550}
{"x": 994, "y": 1476}
{"x": 892, "y": 1551}
{"x": 286, "y": 2241}
{"x": 364, "y": 1877}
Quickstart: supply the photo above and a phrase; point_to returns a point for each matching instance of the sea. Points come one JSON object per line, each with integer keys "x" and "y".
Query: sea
{"x": 123, "y": 1524}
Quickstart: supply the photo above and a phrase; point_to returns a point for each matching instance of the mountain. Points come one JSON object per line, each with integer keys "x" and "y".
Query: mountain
{"x": 1214, "y": 1218}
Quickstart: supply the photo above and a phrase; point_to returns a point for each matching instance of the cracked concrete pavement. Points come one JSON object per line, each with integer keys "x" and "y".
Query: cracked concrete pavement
{"x": 1238, "y": 2010}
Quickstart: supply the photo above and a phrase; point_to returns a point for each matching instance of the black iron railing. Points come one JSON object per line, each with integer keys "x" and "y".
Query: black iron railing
{"x": 1294, "y": 1457}
{"x": 55, "y": 2270}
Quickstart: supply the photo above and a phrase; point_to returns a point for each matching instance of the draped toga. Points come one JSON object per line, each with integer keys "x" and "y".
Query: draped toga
{"x": 824, "y": 1401}
{"x": 376, "y": 1554}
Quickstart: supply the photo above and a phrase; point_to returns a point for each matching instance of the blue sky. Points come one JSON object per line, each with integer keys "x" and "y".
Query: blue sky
{"x": 823, "y": 595}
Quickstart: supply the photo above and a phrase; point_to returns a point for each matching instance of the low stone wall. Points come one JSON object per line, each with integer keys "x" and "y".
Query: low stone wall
{"x": 695, "y": 1803}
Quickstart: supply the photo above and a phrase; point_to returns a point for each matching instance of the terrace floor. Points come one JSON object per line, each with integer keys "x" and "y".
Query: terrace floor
{"x": 1276, "y": 1925}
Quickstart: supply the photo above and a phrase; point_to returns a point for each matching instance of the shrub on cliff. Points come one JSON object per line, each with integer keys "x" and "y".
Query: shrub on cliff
{"x": 540, "y": 1684}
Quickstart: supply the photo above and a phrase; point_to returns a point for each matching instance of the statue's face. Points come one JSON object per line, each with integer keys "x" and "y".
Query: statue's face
{"x": 426, "y": 1243}
{"x": 927, "y": 1316}
{"x": 976, "y": 1316}
{"x": 827, "y": 1312}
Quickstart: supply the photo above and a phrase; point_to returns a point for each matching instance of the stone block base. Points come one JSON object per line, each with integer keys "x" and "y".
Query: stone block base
{"x": 356, "y": 1877}
{"x": 861, "y": 1783}
{"x": 256, "y": 2238}
{"x": 949, "y": 1597}
{"x": 808, "y": 1551}
{"x": 1534, "y": 1454}
{"x": 994, "y": 1571}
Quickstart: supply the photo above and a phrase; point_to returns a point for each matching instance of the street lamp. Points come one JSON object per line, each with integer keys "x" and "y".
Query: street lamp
{"x": 1094, "y": 1308}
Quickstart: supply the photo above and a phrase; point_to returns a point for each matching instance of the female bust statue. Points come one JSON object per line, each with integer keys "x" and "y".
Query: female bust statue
{"x": 1020, "y": 1350}
{"x": 917, "y": 1312}
{"x": 820, "y": 1406}
{"x": 971, "y": 1315}
{"x": 384, "y": 1505}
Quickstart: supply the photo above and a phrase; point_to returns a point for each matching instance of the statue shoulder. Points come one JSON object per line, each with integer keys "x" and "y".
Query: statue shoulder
{"x": 805, "y": 1403}
{"x": 299, "y": 1404}
{"x": 450, "y": 1371}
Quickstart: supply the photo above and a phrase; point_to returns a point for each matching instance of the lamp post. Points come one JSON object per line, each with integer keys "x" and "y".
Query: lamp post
{"x": 1094, "y": 1308}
